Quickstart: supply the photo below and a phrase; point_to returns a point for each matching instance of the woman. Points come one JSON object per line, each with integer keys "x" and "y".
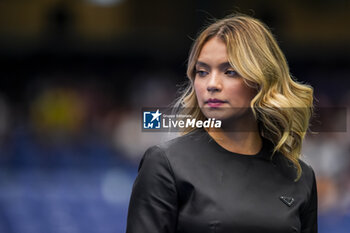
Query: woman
{"x": 246, "y": 176}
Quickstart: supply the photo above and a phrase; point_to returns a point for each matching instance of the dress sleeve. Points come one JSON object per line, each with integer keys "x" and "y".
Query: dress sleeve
{"x": 153, "y": 202}
{"x": 309, "y": 213}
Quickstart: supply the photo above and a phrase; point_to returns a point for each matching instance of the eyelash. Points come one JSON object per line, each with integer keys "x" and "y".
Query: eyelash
{"x": 202, "y": 73}
{"x": 234, "y": 73}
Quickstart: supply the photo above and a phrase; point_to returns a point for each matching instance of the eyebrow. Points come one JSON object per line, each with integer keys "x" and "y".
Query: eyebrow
{"x": 223, "y": 65}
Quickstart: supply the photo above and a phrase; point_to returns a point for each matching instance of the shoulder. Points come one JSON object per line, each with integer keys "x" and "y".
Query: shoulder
{"x": 289, "y": 170}
{"x": 155, "y": 162}
{"x": 171, "y": 152}
{"x": 307, "y": 169}
{"x": 308, "y": 174}
{"x": 184, "y": 143}
{"x": 153, "y": 158}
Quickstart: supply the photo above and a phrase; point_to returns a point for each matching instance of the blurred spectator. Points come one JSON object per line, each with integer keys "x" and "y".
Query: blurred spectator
{"x": 58, "y": 112}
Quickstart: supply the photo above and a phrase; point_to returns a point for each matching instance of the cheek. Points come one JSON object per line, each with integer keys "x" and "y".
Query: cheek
{"x": 247, "y": 93}
{"x": 198, "y": 88}
{"x": 242, "y": 93}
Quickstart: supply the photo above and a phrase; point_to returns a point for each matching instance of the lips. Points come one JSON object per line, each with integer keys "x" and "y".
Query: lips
{"x": 214, "y": 102}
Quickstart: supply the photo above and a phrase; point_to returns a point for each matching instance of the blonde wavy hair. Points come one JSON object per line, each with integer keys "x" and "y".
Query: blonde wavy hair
{"x": 282, "y": 106}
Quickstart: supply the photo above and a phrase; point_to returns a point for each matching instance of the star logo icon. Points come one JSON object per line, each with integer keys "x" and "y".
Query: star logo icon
{"x": 151, "y": 119}
{"x": 156, "y": 115}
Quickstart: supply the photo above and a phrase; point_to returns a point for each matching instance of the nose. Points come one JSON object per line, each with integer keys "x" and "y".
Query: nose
{"x": 214, "y": 83}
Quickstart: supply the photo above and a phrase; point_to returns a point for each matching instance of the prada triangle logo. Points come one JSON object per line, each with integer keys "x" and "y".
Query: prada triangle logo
{"x": 287, "y": 200}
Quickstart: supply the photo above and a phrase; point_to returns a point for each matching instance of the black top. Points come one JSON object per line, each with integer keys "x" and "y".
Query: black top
{"x": 191, "y": 184}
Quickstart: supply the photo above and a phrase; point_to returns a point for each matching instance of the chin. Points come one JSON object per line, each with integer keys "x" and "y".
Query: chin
{"x": 225, "y": 114}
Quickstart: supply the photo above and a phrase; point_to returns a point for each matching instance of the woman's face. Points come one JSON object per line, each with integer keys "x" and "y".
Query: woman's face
{"x": 221, "y": 92}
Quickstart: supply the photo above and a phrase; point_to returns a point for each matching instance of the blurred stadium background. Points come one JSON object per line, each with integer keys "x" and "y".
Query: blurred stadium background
{"x": 75, "y": 74}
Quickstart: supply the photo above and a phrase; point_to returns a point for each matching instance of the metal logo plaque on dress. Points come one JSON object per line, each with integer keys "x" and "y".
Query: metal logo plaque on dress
{"x": 287, "y": 200}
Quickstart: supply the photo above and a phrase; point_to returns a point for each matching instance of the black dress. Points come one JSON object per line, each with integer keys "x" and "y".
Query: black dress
{"x": 193, "y": 185}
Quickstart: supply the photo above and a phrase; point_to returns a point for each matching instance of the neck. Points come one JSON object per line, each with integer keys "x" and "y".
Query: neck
{"x": 242, "y": 136}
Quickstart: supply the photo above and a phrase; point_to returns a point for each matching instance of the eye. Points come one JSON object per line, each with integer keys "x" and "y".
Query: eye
{"x": 231, "y": 73}
{"x": 201, "y": 73}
